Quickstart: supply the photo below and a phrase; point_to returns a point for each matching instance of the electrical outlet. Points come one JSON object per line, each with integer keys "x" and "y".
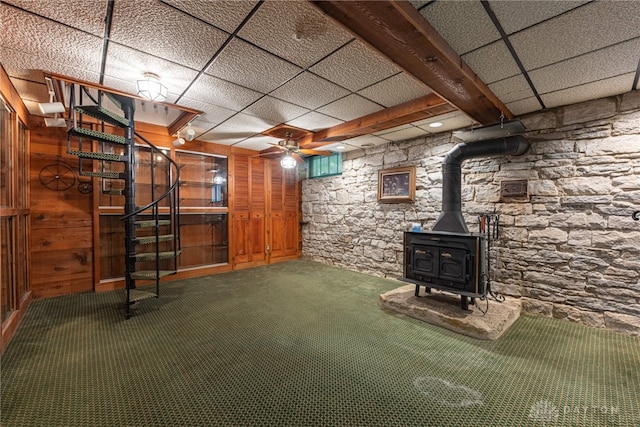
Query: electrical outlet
{"x": 268, "y": 248}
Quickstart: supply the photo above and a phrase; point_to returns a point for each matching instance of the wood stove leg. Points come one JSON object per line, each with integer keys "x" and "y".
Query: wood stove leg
{"x": 426, "y": 290}
{"x": 465, "y": 302}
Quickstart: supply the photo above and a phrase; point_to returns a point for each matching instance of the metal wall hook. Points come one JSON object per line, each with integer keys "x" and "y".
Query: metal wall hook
{"x": 636, "y": 216}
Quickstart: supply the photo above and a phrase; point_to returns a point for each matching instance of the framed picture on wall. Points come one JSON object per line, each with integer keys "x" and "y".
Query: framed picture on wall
{"x": 397, "y": 185}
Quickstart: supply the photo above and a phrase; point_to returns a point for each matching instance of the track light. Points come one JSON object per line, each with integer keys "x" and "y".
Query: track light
{"x": 190, "y": 134}
{"x": 52, "y": 107}
{"x": 178, "y": 142}
{"x": 288, "y": 162}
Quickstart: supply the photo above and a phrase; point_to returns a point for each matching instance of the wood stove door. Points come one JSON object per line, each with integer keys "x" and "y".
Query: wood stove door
{"x": 453, "y": 265}
{"x": 425, "y": 260}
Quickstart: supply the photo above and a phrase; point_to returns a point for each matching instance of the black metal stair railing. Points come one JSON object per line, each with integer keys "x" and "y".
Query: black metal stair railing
{"x": 113, "y": 149}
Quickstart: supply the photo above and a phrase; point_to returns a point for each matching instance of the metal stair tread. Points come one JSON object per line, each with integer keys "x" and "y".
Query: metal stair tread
{"x": 97, "y": 156}
{"x": 152, "y": 223}
{"x": 151, "y": 274}
{"x": 98, "y": 136}
{"x": 139, "y": 295}
{"x": 145, "y": 240}
{"x": 151, "y": 256}
{"x": 110, "y": 175}
{"x": 103, "y": 114}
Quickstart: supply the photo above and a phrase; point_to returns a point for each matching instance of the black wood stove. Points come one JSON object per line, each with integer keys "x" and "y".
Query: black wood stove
{"x": 447, "y": 261}
{"x": 449, "y": 257}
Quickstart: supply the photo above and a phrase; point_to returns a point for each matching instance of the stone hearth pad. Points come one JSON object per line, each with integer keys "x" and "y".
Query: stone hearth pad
{"x": 443, "y": 309}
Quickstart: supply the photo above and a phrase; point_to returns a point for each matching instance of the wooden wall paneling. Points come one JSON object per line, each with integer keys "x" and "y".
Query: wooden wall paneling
{"x": 239, "y": 245}
{"x": 61, "y": 240}
{"x": 278, "y": 230}
{"x": 257, "y": 191}
{"x": 241, "y": 226}
{"x": 291, "y": 225}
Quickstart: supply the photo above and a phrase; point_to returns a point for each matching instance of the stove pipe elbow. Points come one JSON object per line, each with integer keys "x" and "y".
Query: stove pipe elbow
{"x": 451, "y": 219}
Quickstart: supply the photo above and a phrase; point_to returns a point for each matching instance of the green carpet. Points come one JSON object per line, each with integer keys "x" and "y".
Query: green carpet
{"x": 303, "y": 344}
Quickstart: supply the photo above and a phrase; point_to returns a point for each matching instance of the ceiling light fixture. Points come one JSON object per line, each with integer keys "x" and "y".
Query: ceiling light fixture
{"x": 178, "y": 141}
{"x": 190, "y": 134}
{"x": 288, "y": 162}
{"x": 150, "y": 88}
{"x": 52, "y": 107}
{"x": 340, "y": 147}
{"x": 435, "y": 124}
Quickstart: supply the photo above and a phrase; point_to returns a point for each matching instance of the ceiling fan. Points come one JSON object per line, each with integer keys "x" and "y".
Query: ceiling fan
{"x": 292, "y": 152}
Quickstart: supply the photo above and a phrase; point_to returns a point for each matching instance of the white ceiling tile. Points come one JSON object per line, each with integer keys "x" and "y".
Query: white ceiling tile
{"x": 314, "y": 121}
{"x": 309, "y": 91}
{"x": 125, "y": 66}
{"x": 465, "y": 25}
{"x": 85, "y": 15}
{"x": 211, "y": 90}
{"x": 226, "y": 15}
{"x": 365, "y": 141}
{"x": 63, "y": 49}
{"x": 355, "y": 66}
{"x": 599, "y": 89}
{"x": 155, "y": 28}
{"x": 449, "y": 123}
{"x": 275, "y": 110}
{"x": 516, "y": 15}
{"x": 221, "y": 138}
{"x": 350, "y": 107}
{"x": 524, "y": 106}
{"x": 409, "y": 132}
{"x": 294, "y": 30}
{"x": 393, "y": 129}
{"x": 492, "y": 62}
{"x": 395, "y": 90}
{"x": 258, "y": 143}
{"x": 442, "y": 118}
{"x": 594, "y": 66}
{"x": 212, "y": 113}
{"x": 13, "y": 64}
{"x": 577, "y": 32}
{"x": 334, "y": 147}
{"x": 512, "y": 89}
{"x": 251, "y": 67}
{"x": 246, "y": 123}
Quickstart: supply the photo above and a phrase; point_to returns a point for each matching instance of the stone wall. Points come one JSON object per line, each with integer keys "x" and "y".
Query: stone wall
{"x": 570, "y": 249}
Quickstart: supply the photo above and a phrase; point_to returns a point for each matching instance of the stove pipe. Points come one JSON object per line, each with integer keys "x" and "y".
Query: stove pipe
{"x": 451, "y": 219}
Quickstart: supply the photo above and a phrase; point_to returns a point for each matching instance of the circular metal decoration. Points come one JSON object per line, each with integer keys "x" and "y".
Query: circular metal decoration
{"x": 85, "y": 187}
{"x": 57, "y": 177}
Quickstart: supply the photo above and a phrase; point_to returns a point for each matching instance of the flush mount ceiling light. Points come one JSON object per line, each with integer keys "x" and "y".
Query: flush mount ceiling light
{"x": 435, "y": 124}
{"x": 150, "y": 88}
{"x": 288, "y": 162}
{"x": 340, "y": 147}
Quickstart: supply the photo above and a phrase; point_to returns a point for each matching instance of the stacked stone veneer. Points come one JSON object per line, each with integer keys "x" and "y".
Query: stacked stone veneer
{"x": 570, "y": 249}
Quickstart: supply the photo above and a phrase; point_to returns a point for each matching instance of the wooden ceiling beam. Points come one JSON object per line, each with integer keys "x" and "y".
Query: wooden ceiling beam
{"x": 398, "y": 31}
{"x": 422, "y": 108}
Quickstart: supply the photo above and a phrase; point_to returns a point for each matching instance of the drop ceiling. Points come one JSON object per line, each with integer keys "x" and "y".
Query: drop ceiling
{"x": 252, "y": 65}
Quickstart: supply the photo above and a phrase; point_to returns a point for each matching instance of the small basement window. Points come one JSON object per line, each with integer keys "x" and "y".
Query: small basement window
{"x": 321, "y": 166}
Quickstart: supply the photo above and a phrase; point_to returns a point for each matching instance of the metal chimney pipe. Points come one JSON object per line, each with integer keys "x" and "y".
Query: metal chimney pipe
{"x": 451, "y": 219}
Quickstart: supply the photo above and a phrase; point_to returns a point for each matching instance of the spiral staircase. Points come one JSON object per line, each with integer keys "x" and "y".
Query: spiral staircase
{"x": 109, "y": 149}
